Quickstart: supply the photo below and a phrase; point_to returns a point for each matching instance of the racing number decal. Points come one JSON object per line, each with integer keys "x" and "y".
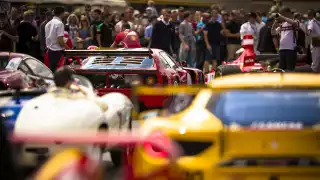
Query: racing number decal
{"x": 198, "y": 175}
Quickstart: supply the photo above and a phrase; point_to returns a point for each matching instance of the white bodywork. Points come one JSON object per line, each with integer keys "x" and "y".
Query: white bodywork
{"x": 66, "y": 111}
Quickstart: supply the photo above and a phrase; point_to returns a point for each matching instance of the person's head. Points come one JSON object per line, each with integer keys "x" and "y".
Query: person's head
{"x": 233, "y": 16}
{"x": 214, "y": 15}
{"x": 252, "y": 17}
{"x": 311, "y": 14}
{"x": 197, "y": 16}
{"x": 106, "y": 8}
{"x": 63, "y": 77}
{"x": 129, "y": 13}
{"x": 216, "y": 7}
{"x": 225, "y": 15}
{"x": 125, "y": 26}
{"x": 205, "y": 18}
{"x": 174, "y": 15}
{"x": 96, "y": 14}
{"x": 136, "y": 14}
{"x": 87, "y": 8}
{"x": 73, "y": 20}
{"x": 59, "y": 12}
{"x": 297, "y": 16}
{"x": 14, "y": 12}
{"x": 181, "y": 11}
{"x": 286, "y": 11}
{"x": 153, "y": 20}
{"x": 149, "y": 11}
{"x": 48, "y": 14}
{"x": 317, "y": 15}
{"x": 3, "y": 20}
{"x": 151, "y": 3}
{"x": 187, "y": 16}
{"x": 28, "y": 16}
{"x": 107, "y": 18}
{"x": 84, "y": 22}
{"x": 166, "y": 15}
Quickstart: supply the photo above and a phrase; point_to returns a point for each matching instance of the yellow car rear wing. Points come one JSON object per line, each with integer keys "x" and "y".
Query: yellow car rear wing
{"x": 139, "y": 91}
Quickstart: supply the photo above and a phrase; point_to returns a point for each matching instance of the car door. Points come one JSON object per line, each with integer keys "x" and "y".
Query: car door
{"x": 178, "y": 69}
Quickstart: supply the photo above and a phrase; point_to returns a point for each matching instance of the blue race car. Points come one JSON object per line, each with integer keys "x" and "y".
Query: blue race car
{"x": 12, "y": 102}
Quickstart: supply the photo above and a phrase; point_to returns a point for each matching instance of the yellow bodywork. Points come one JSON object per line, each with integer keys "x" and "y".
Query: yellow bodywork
{"x": 198, "y": 124}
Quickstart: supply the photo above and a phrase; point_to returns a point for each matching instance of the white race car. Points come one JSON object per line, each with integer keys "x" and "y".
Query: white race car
{"x": 72, "y": 110}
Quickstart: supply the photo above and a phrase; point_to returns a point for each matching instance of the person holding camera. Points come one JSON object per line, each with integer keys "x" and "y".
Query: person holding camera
{"x": 286, "y": 28}
{"x": 314, "y": 32}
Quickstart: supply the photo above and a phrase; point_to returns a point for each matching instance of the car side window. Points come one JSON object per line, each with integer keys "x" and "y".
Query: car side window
{"x": 169, "y": 60}
{"x": 38, "y": 68}
{"x": 24, "y": 68}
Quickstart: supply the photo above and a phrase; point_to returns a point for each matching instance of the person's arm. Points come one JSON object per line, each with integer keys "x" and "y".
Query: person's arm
{"x": 206, "y": 40}
{"x": 12, "y": 36}
{"x": 181, "y": 35}
{"x": 92, "y": 32}
{"x": 117, "y": 40}
{"x": 309, "y": 28}
{"x": 98, "y": 36}
{"x": 290, "y": 21}
{"x": 243, "y": 30}
{"x": 60, "y": 35}
{"x": 275, "y": 28}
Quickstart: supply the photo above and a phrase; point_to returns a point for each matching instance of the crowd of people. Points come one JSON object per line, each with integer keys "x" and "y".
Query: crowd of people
{"x": 199, "y": 38}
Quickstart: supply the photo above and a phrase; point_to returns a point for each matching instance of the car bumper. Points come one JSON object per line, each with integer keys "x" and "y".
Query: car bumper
{"x": 149, "y": 102}
{"x": 204, "y": 169}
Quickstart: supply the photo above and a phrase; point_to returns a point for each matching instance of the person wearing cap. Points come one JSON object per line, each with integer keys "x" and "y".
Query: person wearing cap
{"x": 54, "y": 31}
{"x": 252, "y": 27}
{"x": 8, "y": 34}
{"x": 27, "y": 32}
{"x": 314, "y": 32}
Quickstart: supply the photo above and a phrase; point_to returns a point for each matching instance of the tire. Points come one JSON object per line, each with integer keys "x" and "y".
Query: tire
{"x": 117, "y": 155}
{"x": 224, "y": 70}
{"x": 305, "y": 69}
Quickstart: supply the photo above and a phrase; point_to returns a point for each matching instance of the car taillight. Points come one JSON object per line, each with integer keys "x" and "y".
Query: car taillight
{"x": 153, "y": 150}
{"x": 150, "y": 80}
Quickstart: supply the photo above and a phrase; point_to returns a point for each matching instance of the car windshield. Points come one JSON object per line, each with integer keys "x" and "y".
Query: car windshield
{"x": 254, "y": 107}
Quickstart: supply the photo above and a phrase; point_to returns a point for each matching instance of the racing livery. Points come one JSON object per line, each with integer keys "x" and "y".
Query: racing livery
{"x": 117, "y": 70}
{"x": 244, "y": 126}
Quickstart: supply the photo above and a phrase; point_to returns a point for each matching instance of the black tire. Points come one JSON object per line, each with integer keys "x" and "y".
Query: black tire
{"x": 224, "y": 70}
{"x": 117, "y": 157}
{"x": 305, "y": 69}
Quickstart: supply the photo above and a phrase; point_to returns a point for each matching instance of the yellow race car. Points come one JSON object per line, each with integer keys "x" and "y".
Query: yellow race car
{"x": 243, "y": 127}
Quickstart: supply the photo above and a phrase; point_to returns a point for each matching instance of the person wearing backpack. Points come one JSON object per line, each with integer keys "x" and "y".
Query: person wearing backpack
{"x": 288, "y": 44}
{"x": 127, "y": 37}
{"x": 314, "y": 32}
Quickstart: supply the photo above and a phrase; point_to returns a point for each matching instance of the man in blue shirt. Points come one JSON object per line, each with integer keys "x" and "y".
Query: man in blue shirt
{"x": 148, "y": 30}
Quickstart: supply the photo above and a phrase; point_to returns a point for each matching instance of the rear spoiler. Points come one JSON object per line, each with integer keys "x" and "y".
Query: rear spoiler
{"x": 86, "y": 53}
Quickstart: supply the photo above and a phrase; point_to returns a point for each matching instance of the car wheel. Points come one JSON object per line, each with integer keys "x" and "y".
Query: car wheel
{"x": 118, "y": 155}
{"x": 224, "y": 70}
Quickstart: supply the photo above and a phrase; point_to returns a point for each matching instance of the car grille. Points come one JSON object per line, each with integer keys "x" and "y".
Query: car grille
{"x": 192, "y": 148}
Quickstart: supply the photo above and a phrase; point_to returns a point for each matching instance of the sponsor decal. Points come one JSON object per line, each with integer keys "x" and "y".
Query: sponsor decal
{"x": 276, "y": 125}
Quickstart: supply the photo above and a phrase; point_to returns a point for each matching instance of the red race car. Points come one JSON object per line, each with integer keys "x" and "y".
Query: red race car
{"x": 117, "y": 70}
{"x": 249, "y": 61}
{"x": 23, "y": 71}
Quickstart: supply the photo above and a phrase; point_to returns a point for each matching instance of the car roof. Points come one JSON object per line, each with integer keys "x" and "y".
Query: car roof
{"x": 266, "y": 80}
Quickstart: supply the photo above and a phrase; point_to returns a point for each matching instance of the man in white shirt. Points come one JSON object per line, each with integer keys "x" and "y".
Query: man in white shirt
{"x": 125, "y": 19}
{"x": 314, "y": 32}
{"x": 252, "y": 27}
{"x": 286, "y": 27}
{"x": 54, "y": 32}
